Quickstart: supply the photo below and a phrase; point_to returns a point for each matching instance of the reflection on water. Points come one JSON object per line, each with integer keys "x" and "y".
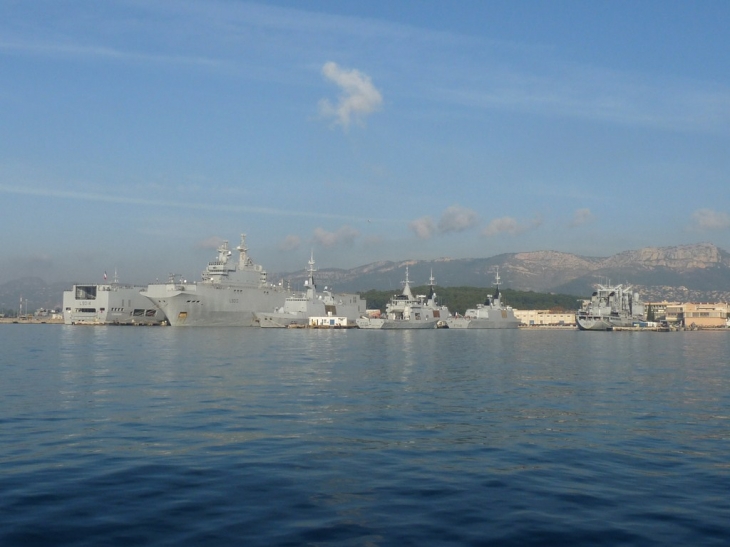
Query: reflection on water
{"x": 313, "y": 437}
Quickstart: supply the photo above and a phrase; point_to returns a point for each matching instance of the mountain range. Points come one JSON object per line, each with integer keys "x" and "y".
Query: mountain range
{"x": 689, "y": 273}
{"x": 696, "y": 273}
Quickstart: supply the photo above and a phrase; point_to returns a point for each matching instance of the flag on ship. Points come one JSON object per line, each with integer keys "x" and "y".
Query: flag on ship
{"x": 104, "y": 276}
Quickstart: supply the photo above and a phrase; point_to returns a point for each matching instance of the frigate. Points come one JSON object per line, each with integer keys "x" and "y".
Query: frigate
{"x": 230, "y": 293}
{"x": 406, "y": 311}
{"x": 609, "y": 307}
{"x": 298, "y": 309}
{"x": 492, "y": 314}
{"x": 109, "y": 304}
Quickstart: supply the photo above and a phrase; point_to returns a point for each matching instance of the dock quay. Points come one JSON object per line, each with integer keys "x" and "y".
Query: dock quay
{"x": 33, "y": 321}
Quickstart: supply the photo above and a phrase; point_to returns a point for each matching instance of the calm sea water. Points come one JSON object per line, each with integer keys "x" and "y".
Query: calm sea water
{"x": 165, "y": 436}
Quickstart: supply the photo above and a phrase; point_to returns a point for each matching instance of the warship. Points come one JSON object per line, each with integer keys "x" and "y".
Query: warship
{"x": 230, "y": 293}
{"x": 299, "y": 308}
{"x": 609, "y": 307}
{"x": 406, "y": 311}
{"x": 109, "y": 304}
{"x": 490, "y": 315}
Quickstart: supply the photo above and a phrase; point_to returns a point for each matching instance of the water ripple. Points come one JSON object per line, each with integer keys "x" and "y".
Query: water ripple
{"x": 236, "y": 436}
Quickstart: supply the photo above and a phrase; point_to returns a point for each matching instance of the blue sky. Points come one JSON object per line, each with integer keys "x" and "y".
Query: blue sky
{"x": 137, "y": 135}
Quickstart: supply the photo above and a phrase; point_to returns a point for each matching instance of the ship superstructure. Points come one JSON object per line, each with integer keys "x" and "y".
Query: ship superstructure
{"x": 299, "y": 308}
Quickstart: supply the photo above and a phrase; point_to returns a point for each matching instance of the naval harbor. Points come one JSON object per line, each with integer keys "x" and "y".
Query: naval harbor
{"x": 236, "y": 291}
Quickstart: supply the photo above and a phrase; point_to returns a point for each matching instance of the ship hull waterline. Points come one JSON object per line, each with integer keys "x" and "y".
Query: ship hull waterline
{"x": 210, "y": 306}
{"x": 466, "y": 323}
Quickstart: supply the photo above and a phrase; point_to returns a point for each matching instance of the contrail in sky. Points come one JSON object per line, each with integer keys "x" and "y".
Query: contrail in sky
{"x": 63, "y": 194}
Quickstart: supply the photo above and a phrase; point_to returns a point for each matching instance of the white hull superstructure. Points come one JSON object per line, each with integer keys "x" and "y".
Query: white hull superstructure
{"x": 609, "y": 307}
{"x": 490, "y": 315}
{"x": 109, "y": 304}
{"x": 229, "y": 295}
{"x": 298, "y": 309}
{"x": 404, "y": 311}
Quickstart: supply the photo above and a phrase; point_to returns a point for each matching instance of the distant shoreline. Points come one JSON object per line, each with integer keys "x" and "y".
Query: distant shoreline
{"x": 39, "y": 321}
{"x": 34, "y": 321}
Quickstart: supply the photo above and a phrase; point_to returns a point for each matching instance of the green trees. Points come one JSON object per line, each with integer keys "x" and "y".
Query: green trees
{"x": 458, "y": 299}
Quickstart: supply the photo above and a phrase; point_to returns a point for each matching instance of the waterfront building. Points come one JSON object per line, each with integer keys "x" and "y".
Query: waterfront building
{"x": 657, "y": 311}
{"x": 545, "y": 318}
{"x": 698, "y": 315}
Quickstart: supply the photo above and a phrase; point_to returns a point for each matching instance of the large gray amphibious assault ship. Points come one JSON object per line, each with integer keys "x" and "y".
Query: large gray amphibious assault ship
{"x": 230, "y": 293}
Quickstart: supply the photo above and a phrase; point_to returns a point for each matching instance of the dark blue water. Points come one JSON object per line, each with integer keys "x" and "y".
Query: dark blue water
{"x": 165, "y": 436}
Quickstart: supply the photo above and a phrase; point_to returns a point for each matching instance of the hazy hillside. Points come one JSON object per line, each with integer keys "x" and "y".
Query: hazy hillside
{"x": 689, "y": 272}
{"x": 38, "y": 293}
{"x": 698, "y": 273}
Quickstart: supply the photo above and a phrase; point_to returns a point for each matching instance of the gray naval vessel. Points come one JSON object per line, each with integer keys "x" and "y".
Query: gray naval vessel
{"x": 229, "y": 294}
{"x": 406, "y": 311}
{"x": 336, "y": 309}
{"x": 109, "y": 304}
{"x": 609, "y": 307}
{"x": 490, "y": 315}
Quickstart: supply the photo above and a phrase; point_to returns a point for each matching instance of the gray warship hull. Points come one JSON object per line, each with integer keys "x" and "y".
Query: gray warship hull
{"x": 109, "y": 304}
{"x": 349, "y": 312}
{"x": 386, "y": 324}
{"x": 597, "y": 322}
{"x": 200, "y": 305}
{"x": 481, "y": 323}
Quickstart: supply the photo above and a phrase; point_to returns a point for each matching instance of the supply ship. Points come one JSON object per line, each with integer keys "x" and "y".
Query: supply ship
{"x": 609, "y": 307}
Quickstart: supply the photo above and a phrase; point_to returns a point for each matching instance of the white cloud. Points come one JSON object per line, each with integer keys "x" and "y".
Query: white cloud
{"x": 423, "y": 227}
{"x": 359, "y": 96}
{"x": 290, "y": 243}
{"x": 345, "y": 235}
{"x": 454, "y": 219}
{"x": 580, "y": 217}
{"x": 511, "y": 226}
{"x": 707, "y": 219}
{"x": 457, "y": 219}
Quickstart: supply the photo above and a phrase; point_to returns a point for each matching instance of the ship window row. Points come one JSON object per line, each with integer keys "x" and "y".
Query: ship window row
{"x": 193, "y": 301}
{"x": 86, "y": 292}
{"x": 85, "y": 310}
{"x": 146, "y": 313}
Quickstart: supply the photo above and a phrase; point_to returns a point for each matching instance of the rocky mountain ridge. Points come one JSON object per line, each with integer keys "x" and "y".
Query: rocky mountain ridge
{"x": 699, "y": 272}
{"x": 693, "y": 273}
